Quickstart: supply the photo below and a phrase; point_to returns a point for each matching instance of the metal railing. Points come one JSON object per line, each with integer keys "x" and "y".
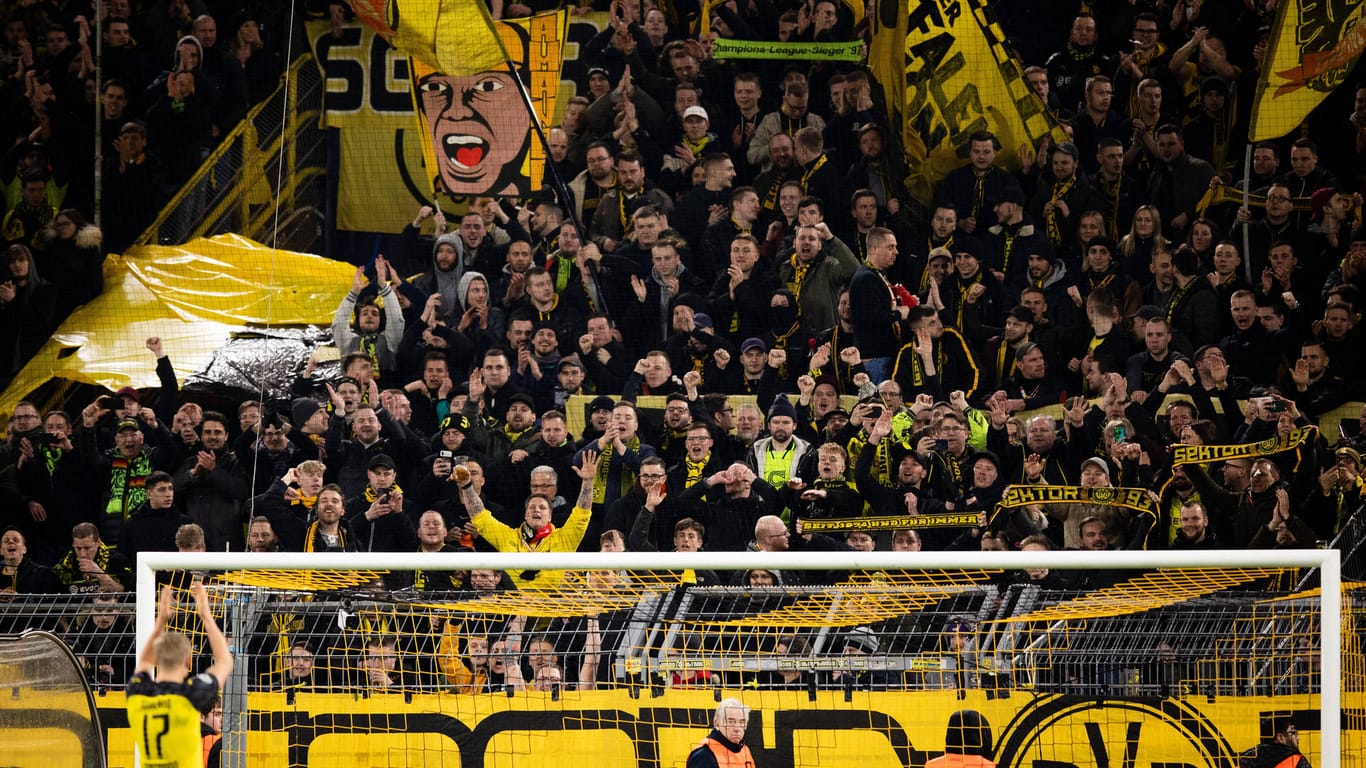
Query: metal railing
{"x": 266, "y": 180}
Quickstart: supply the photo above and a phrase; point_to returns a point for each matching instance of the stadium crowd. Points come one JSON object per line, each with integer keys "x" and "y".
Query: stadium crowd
{"x": 737, "y": 242}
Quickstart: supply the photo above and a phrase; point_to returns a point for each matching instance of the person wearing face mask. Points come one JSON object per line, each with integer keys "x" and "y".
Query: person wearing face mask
{"x": 787, "y": 339}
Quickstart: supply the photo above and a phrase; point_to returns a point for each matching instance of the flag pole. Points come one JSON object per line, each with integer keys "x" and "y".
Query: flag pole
{"x": 1247, "y": 181}
{"x": 561, "y": 188}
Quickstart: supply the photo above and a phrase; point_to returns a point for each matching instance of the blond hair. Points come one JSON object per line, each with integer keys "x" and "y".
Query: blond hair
{"x": 172, "y": 650}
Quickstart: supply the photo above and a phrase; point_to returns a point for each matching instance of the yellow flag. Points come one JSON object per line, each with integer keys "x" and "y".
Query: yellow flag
{"x": 1314, "y": 46}
{"x": 452, "y": 36}
{"x": 946, "y": 73}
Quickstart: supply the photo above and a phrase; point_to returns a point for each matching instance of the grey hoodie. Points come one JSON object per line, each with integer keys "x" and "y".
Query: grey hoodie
{"x": 450, "y": 284}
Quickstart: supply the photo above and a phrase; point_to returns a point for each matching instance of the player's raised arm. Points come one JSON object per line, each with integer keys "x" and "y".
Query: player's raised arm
{"x": 222, "y": 656}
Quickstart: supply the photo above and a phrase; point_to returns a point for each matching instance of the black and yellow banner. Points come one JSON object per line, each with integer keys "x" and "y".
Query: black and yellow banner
{"x": 946, "y": 73}
{"x": 1204, "y": 454}
{"x": 1313, "y": 48}
{"x": 621, "y": 728}
{"x": 1136, "y": 499}
{"x": 1224, "y": 193}
{"x": 727, "y": 48}
{"x": 892, "y": 522}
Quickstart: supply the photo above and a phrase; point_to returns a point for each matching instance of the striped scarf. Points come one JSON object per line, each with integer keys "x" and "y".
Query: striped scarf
{"x": 694, "y": 470}
{"x": 1054, "y": 226}
{"x": 628, "y": 477}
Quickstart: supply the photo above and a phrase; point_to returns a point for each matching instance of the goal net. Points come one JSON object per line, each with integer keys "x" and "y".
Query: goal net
{"x": 844, "y": 659}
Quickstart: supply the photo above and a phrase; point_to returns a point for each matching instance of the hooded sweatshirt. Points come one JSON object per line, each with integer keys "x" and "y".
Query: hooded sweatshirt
{"x": 450, "y": 283}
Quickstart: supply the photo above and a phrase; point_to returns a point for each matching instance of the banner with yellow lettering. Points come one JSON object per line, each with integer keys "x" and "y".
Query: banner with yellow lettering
{"x": 1204, "y": 454}
{"x": 1313, "y": 48}
{"x": 946, "y": 73}
{"x": 1136, "y": 499}
{"x": 891, "y": 523}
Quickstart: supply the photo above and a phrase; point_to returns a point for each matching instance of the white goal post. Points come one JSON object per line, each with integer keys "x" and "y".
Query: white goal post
{"x": 1327, "y": 561}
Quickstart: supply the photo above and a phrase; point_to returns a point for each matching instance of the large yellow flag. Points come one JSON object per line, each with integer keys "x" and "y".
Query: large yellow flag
{"x": 453, "y": 36}
{"x": 946, "y": 73}
{"x": 1314, "y": 46}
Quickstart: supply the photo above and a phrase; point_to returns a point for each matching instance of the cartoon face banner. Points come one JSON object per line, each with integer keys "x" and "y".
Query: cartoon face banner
{"x": 477, "y": 133}
{"x": 386, "y": 166}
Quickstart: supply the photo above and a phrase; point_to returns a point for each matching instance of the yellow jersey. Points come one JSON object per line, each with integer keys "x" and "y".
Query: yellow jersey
{"x": 164, "y": 717}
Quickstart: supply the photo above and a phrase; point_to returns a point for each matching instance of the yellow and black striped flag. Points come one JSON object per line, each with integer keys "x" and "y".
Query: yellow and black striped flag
{"x": 1313, "y": 47}
{"x": 946, "y": 73}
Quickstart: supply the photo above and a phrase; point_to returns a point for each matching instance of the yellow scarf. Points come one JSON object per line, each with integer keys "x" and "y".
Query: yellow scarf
{"x": 307, "y": 502}
{"x": 1054, "y": 228}
{"x": 628, "y": 477}
{"x": 514, "y": 436}
{"x": 799, "y": 271}
{"x": 1111, "y": 191}
{"x": 963, "y": 289}
{"x": 1002, "y": 372}
{"x": 369, "y": 493}
{"x": 311, "y": 537}
{"x": 694, "y": 145}
{"x": 806, "y": 175}
{"x": 694, "y": 469}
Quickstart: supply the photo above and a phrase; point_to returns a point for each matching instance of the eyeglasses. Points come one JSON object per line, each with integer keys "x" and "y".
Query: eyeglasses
{"x": 653, "y": 477}
{"x": 1277, "y": 198}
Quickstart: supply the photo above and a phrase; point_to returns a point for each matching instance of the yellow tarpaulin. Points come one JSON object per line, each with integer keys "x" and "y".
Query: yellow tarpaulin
{"x": 193, "y": 296}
